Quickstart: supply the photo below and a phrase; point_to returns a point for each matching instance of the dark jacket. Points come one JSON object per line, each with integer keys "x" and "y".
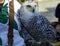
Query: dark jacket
{"x": 57, "y": 11}
{"x": 58, "y": 37}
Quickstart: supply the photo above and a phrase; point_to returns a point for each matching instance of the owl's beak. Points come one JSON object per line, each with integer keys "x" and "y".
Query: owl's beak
{"x": 33, "y": 10}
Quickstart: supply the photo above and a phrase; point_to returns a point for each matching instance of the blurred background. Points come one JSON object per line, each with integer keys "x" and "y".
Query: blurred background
{"x": 47, "y": 8}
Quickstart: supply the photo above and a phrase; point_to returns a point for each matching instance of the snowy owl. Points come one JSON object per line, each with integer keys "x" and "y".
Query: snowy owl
{"x": 35, "y": 23}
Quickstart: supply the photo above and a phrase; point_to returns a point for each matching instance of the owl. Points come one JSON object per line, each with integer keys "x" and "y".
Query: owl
{"x": 36, "y": 24}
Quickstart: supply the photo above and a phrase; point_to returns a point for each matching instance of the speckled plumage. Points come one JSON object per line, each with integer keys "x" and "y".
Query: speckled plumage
{"x": 37, "y": 25}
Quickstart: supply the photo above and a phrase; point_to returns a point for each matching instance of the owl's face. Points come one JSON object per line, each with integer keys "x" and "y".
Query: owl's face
{"x": 27, "y": 10}
{"x": 30, "y": 6}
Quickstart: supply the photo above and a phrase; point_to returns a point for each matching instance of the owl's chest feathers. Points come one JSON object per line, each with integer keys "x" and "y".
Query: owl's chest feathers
{"x": 26, "y": 17}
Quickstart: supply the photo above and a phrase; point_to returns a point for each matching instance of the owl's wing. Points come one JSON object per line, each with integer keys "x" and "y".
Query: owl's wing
{"x": 40, "y": 29}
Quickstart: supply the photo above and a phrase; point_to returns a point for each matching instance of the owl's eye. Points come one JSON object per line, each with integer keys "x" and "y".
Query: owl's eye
{"x": 29, "y": 6}
{"x": 35, "y": 5}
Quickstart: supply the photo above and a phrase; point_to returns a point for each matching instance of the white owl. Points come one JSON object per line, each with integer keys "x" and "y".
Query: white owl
{"x": 35, "y": 23}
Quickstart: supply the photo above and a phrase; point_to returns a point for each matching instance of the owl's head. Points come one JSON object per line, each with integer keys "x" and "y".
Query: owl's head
{"x": 29, "y": 7}
{"x": 27, "y": 10}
